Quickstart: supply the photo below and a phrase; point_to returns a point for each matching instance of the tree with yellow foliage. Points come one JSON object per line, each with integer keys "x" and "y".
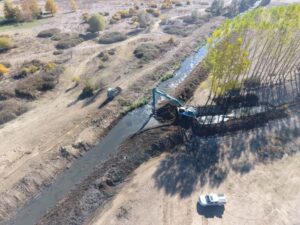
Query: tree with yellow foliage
{"x": 262, "y": 46}
{"x": 51, "y": 6}
{"x": 3, "y": 70}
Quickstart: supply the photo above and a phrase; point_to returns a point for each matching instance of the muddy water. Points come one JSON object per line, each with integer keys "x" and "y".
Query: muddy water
{"x": 84, "y": 166}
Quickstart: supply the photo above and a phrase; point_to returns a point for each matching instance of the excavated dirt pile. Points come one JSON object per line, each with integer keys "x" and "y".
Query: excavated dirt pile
{"x": 103, "y": 183}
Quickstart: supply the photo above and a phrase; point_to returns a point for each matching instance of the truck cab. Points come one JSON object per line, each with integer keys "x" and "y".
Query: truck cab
{"x": 212, "y": 200}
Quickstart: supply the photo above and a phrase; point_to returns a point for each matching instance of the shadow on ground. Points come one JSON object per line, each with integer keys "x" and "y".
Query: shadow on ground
{"x": 208, "y": 161}
{"x": 210, "y": 211}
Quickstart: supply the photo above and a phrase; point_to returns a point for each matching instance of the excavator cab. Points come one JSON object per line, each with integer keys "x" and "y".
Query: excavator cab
{"x": 182, "y": 110}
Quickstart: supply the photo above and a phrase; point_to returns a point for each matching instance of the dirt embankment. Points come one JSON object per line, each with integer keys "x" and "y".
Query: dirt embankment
{"x": 103, "y": 183}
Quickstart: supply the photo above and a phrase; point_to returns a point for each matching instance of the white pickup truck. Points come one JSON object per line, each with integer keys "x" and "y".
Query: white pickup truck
{"x": 212, "y": 200}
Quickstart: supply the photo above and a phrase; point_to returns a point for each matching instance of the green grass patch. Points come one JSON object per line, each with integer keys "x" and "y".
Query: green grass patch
{"x": 168, "y": 75}
{"x": 25, "y": 25}
{"x": 136, "y": 104}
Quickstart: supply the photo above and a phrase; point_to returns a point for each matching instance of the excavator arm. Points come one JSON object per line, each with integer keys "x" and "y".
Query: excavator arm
{"x": 156, "y": 91}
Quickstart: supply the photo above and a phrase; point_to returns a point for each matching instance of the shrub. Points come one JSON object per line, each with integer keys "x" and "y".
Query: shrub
{"x": 167, "y": 4}
{"x": 217, "y": 7}
{"x": 46, "y": 79}
{"x": 136, "y": 104}
{"x": 46, "y": 82}
{"x": 112, "y": 37}
{"x": 153, "y": 12}
{"x": 5, "y": 44}
{"x": 147, "y": 52}
{"x": 178, "y": 4}
{"x": 87, "y": 91}
{"x": 48, "y": 33}
{"x": 167, "y": 76}
{"x": 12, "y": 13}
{"x": 69, "y": 42}
{"x": 76, "y": 79}
{"x": 10, "y": 110}
{"x": 6, "y": 93}
{"x": 30, "y": 10}
{"x": 143, "y": 20}
{"x": 101, "y": 66}
{"x": 3, "y": 70}
{"x": 177, "y": 30}
{"x": 27, "y": 89}
{"x": 29, "y": 68}
{"x": 153, "y": 5}
{"x": 116, "y": 17}
{"x": 73, "y": 5}
{"x": 96, "y": 23}
{"x": 85, "y": 17}
{"x": 51, "y": 6}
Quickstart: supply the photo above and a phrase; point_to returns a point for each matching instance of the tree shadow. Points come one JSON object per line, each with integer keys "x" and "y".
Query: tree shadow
{"x": 210, "y": 211}
{"x": 207, "y": 160}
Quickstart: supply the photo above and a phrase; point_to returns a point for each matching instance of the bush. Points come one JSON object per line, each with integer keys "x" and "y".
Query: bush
{"x": 153, "y": 12}
{"x": 69, "y": 42}
{"x": 51, "y": 6}
{"x": 112, "y": 37}
{"x": 153, "y": 5}
{"x": 167, "y": 76}
{"x": 96, "y": 23}
{"x": 217, "y": 7}
{"x": 178, "y": 4}
{"x": 143, "y": 20}
{"x": 48, "y": 33}
{"x": 27, "y": 89}
{"x": 6, "y": 93}
{"x": 10, "y": 110}
{"x": 5, "y": 44}
{"x": 73, "y": 5}
{"x": 167, "y": 4}
{"x": 85, "y": 17}
{"x": 136, "y": 104}
{"x": 45, "y": 80}
{"x": 87, "y": 91}
{"x": 147, "y": 52}
{"x": 3, "y": 70}
{"x": 177, "y": 30}
{"x": 12, "y": 13}
{"x": 29, "y": 68}
{"x": 30, "y": 10}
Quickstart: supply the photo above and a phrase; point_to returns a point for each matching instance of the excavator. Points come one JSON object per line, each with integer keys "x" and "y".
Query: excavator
{"x": 182, "y": 110}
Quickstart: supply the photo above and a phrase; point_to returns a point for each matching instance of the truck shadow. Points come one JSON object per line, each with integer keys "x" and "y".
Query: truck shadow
{"x": 210, "y": 211}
